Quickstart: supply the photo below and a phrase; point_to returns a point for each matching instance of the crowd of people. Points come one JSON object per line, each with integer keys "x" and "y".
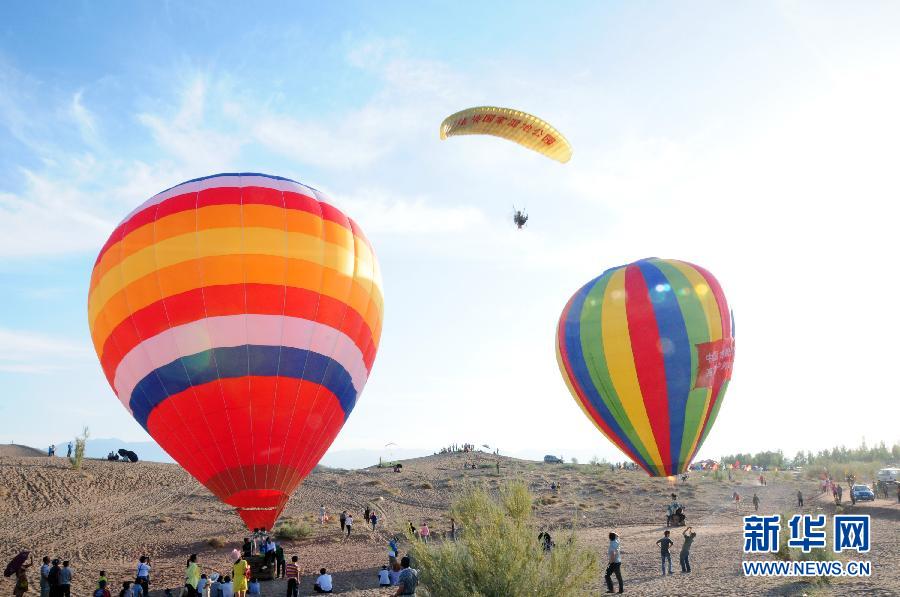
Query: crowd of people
{"x": 665, "y": 544}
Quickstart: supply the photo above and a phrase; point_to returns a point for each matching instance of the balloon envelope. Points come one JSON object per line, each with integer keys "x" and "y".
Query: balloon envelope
{"x": 237, "y": 318}
{"x": 520, "y": 127}
{"x": 646, "y": 350}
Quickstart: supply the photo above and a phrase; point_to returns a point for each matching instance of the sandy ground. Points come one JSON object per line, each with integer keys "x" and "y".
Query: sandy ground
{"x": 107, "y": 514}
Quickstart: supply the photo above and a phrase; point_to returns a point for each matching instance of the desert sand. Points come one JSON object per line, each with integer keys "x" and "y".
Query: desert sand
{"x": 107, "y": 514}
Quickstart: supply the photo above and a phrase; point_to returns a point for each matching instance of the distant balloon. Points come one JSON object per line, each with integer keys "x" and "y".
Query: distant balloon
{"x": 237, "y": 318}
{"x": 646, "y": 350}
{"x": 523, "y": 128}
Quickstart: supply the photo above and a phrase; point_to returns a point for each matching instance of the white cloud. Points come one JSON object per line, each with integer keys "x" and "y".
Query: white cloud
{"x": 185, "y": 137}
{"x": 23, "y": 351}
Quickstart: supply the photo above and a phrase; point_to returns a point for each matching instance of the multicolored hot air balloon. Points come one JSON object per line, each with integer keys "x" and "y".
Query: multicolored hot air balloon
{"x": 646, "y": 350}
{"x": 237, "y": 317}
{"x": 520, "y": 127}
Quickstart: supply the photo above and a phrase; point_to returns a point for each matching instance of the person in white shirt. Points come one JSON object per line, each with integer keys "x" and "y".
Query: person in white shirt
{"x": 384, "y": 578}
{"x": 143, "y": 574}
{"x": 323, "y": 583}
{"x": 226, "y": 589}
{"x": 615, "y": 563}
{"x": 349, "y": 523}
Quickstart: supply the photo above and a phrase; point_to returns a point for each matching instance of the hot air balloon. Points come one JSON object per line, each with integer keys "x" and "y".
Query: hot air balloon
{"x": 646, "y": 350}
{"x": 237, "y": 318}
{"x": 523, "y": 128}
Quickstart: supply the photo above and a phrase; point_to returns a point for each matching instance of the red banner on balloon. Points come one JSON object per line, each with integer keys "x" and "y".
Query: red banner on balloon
{"x": 714, "y": 361}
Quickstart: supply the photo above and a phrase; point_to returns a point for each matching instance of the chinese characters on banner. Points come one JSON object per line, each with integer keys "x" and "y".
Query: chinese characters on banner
{"x": 714, "y": 361}
{"x": 515, "y": 123}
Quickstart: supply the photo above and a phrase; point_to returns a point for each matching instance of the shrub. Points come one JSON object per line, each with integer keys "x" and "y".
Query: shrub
{"x": 426, "y": 485}
{"x": 216, "y": 542}
{"x": 80, "y": 443}
{"x": 292, "y": 530}
{"x": 793, "y": 554}
{"x": 498, "y": 552}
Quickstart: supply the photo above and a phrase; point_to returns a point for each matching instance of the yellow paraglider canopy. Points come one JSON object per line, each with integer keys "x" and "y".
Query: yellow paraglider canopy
{"x": 523, "y": 128}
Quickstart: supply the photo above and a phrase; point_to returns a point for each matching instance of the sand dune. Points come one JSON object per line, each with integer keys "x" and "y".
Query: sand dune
{"x": 106, "y": 515}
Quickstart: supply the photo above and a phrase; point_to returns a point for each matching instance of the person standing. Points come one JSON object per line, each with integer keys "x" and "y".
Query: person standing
{"x": 292, "y": 573}
{"x": 143, "y": 574}
{"x": 349, "y": 524}
{"x": 366, "y": 514}
{"x": 452, "y": 529}
{"x": 239, "y": 575}
{"x": 45, "y": 572}
{"x": 322, "y": 514}
{"x": 615, "y": 563}
{"x": 684, "y": 556}
{"x": 69, "y": 451}
{"x": 279, "y": 561}
{"x": 424, "y": 532}
{"x": 374, "y": 520}
{"x": 799, "y": 499}
{"x": 343, "y": 520}
{"x": 53, "y": 579}
{"x": 755, "y": 503}
{"x": 21, "y": 586}
{"x": 65, "y": 580}
{"x": 191, "y": 575}
{"x": 664, "y": 544}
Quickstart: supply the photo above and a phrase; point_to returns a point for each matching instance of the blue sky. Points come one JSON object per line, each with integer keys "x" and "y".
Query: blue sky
{"x": 758, "y": 140}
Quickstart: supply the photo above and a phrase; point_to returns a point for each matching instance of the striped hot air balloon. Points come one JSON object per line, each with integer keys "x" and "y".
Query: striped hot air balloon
{"x": 646, "y": 350}
{"x": 237, "y": 317}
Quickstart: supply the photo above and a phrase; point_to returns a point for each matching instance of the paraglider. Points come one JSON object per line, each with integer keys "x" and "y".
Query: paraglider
{"x": 520, "y": 127}
{"x": 646, "y": 350}
{"x": 520, "y": 218}
{"x": 237, "y": 318}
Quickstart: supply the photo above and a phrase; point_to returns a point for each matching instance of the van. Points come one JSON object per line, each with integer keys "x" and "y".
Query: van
{"x": 889, "y": 475}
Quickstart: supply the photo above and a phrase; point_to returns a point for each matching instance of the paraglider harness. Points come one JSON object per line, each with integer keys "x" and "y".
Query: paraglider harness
{"x": 520, "y": 218}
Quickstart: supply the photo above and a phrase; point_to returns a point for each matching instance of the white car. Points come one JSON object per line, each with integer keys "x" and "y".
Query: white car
{"x": 889, "y": 475}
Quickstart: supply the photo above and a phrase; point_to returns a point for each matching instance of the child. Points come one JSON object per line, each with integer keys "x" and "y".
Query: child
{"x": 201, "y": 585}
{"x": 253, "y": 587}
{"x": 101, "y": 582}
{"x": 384, "y": 578}
{"x": 126, "y": 589}
{"x": 102, "y": 591}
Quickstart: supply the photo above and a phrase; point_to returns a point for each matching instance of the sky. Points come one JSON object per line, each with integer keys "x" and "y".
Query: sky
{"x": 758, "y": 140}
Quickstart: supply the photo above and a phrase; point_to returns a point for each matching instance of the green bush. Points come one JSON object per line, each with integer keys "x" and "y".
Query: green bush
{"x": 292, "y": 530}
{"x": 498, "y": 552}
{"x": 80, "y": 443}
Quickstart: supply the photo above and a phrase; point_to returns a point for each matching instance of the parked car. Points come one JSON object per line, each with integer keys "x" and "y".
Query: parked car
{"x": 888, "y": 475}
{"x": 862, "y": 493}
{"x": 551, "y": 459}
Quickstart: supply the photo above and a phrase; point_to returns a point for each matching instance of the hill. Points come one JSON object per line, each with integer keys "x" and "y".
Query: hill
{"x": 106, "y": 515}
{"x": 19, "y": 451}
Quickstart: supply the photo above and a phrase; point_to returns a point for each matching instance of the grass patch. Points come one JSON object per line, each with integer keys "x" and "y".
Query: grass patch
{"x": 216, "y": 542}
{"x": 292, "y": 530}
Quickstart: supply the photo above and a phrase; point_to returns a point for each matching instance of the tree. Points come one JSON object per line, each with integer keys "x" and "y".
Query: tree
{"x": 80, "y": 444}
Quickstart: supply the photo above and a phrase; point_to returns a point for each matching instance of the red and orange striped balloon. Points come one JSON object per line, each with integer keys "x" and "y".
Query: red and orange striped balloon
{"x": 237, "y": 318}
